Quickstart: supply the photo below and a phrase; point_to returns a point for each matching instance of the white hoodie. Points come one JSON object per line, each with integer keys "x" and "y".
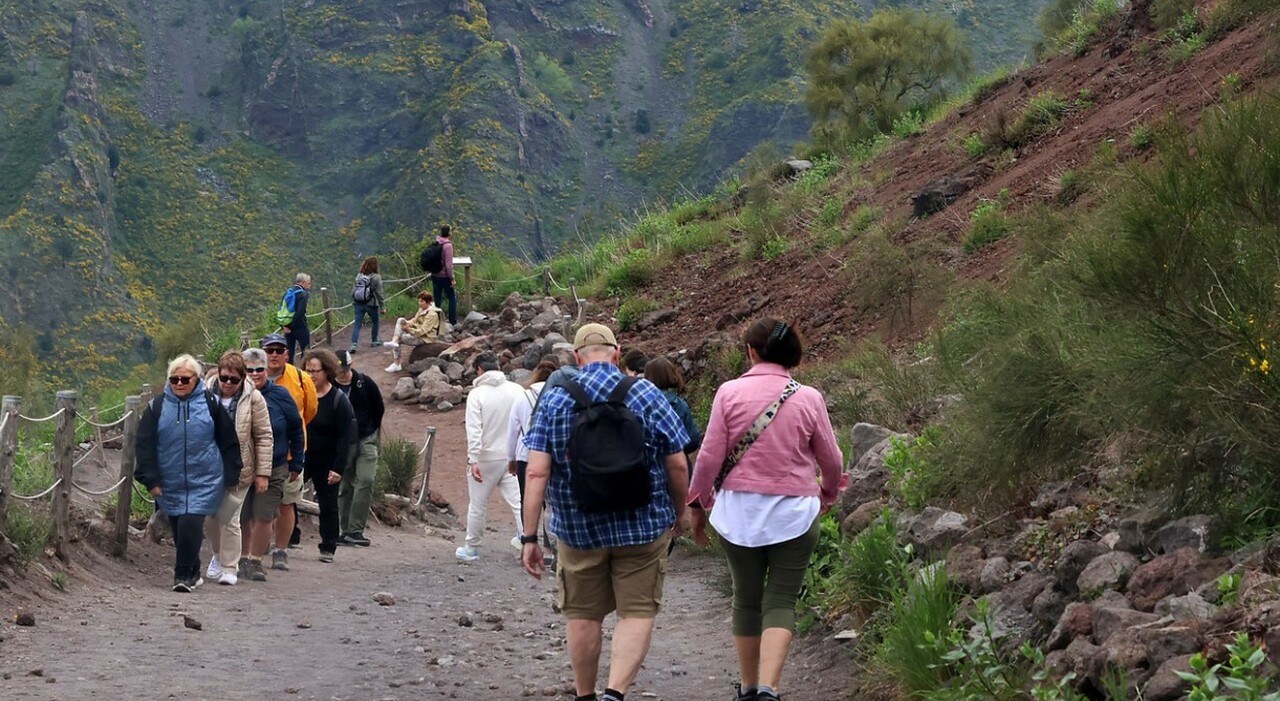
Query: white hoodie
{"x": 489, "y": 414}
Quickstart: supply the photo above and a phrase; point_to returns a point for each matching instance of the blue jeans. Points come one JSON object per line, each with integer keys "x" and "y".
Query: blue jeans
{"x": 442, "y": 290}
{"x": 361, "y": 310}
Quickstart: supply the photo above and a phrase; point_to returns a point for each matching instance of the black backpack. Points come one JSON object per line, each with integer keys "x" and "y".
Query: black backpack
{"x": 432, "y": 259}
{"x": 608, "y": 461}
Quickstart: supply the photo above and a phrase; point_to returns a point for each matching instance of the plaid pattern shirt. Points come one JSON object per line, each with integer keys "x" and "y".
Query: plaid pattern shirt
{"x": 664, "y": 435}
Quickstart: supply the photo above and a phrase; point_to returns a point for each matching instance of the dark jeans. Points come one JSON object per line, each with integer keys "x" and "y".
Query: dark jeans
{"x": 442, "y": 290}
{"x": 361, "y": 310}
{"x": 327, "y": 500}
{"x": 188, "y": 532}
{"x": 301, "y": 339}
{"x": 521, "y": 468}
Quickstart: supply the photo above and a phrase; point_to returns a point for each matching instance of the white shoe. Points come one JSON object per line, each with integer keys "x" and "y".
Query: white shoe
{"x": 390, "y": 344}
{"x": 466, "y": 554}
{"x": 228, "y": 578}
{"x": 515, "y": 543}
{"x": 215, "y": 568}
{"x": 394, "y": 367}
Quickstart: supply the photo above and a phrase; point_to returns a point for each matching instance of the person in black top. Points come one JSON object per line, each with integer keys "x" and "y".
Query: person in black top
{"x": 329, "y": 439}
{"x": 356, "y": 493}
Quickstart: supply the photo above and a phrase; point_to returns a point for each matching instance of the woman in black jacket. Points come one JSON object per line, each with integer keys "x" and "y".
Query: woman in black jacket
{"x": 329, "y": 438}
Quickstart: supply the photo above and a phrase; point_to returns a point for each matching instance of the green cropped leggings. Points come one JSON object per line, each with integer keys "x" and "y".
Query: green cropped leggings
{"x": 767, "y": 581}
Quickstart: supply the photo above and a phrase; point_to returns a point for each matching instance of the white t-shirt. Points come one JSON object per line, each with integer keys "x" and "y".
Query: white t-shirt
{"x": 751, "y": 520}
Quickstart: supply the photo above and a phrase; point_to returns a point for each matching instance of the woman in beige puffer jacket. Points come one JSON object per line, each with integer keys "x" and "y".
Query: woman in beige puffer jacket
{"x": 253, "y": 428}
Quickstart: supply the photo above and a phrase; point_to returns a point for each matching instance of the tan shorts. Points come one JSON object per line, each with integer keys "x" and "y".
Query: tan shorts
{"x": 265, "y": 505}
{"x": 629, "y": 579}
{"x": 292, "y": 491}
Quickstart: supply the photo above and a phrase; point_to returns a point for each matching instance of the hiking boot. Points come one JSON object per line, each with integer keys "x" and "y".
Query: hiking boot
{"x": 242, "y": 568}
{"x": 394, "y": 367}
{"x": 296, "y": 539}
{"x": 355, "y": 538}
{"x": 215, "y": 568}
{"x": 280, "y": 560}
{"x": 466, "y": 553}
{"x": 326, "y": 556}
{"x": 228, "y": 578}
{"x": 254, "y": 571}
{"x": 375, "y": 343}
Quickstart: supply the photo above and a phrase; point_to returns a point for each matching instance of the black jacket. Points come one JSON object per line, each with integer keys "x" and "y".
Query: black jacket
{"x": 366, "y": 401}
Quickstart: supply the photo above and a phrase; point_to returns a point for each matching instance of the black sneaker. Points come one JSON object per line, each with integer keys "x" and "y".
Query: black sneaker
{"x": 296, "y": 539}
{"x": 181, "y": 586}
{"x": 740, "y": 695}
{"x": 242, "y": 568}
{"x": 355, "y": 538}
{"x": 326, "y": 556}
{"x": 767, "y": 696}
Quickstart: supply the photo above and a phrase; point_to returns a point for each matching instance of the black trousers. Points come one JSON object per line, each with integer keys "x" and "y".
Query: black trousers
{"x": 188, "y": 533}
{"x": 327, "y": 500}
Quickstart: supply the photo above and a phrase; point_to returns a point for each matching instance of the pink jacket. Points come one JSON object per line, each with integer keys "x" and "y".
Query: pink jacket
{"x": 446, "y": 254}
{"x": 782, "y": 461}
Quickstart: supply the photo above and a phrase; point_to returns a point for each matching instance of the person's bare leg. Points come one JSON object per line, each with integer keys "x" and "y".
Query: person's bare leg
{"x": 261, "y": 538}
{"x": 631, "y": 640}
{"x": 774, "y": 645}
{"x": 584, "y": 653}
{"x": 748, "y": 649}
{"x": 284, "y": 525}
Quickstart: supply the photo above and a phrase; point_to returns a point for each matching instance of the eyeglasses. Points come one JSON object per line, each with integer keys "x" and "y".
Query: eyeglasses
{"x": 180, "y": 380}
{"x": 254, "y": 371}
{"x": 276, "y": 350}
{"x": 229, "y": 379}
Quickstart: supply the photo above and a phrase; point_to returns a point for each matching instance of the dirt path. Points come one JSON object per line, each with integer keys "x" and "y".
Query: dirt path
{"x": 457, "y": 631}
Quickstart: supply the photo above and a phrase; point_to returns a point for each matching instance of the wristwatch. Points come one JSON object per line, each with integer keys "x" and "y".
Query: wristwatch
{"x": 527, "y": 539}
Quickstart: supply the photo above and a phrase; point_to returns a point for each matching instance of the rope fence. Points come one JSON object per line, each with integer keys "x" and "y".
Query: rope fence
{"x": 104, "y": 492}
{"x": 137, "y": 488}
{"x": 118, "y": 422}
{"x": 50, "y": 417}
{"x": 41, "y": 495}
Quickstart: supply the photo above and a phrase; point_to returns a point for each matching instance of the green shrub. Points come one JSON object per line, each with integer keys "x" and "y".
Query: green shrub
{"x": 630, "y": 311}
{"x": 830, "y": 213}
{"x": 874, "y": 567}
{"x": 29, "y": 528}
{"x": 974, "y": 145}
{"x": 397, "y": 466}
{"x": 140, "y": 509}
{"x": 812, "y": 180}
{"x": 630, "y": 273}
{"x": 1043, "y": 114}
{"x": 989, "y": 225}
{"x": 909, "y": 124}
{"x": 1142, "y": 137}
{"x": 1070, "y": 187}
{"x": 1167, "y": 14}
{"x": 1246, "y": 675}
{"x": 925, "y": 607}
{"x": 775, "y": 247}
{"x": 1226, "y": 15}
{"x": 909, "y": 468}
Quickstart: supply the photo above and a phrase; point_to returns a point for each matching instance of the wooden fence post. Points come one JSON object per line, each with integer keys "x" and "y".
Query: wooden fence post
{"x": 64, "y": 443}
{"x": 328, "y": 316}
{"x": 546, "y": 282}
{"x": 577, "y": 301}
{"x": 466, "y": 281}
{"x": 145, "y": 394}
{"x": 8, "y": 449}
{"x": 124, "y": 493}
{"x": 429, "y": 446}
{"x": 244, "y": 340}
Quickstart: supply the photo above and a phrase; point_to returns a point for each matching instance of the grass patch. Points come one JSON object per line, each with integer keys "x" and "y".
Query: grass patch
{"x": 924, "y": 608}
{"x": 29, "y": 528}
{"x": 630, "y": 311}
{"x": 989, "y": 224}
{"x": 397, "y": 466}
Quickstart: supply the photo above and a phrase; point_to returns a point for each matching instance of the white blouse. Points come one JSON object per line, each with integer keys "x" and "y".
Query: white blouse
{"x": 751, "y": 520}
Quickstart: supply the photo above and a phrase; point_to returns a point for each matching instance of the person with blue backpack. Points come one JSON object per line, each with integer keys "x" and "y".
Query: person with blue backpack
{"x": 368, "y": 299}
{"x": 292, "y": 316}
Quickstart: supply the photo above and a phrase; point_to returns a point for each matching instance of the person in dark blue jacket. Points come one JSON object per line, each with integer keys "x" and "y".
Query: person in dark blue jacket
{"x": 188, "y": 457}
{"x": 667, "y": 377}
{"x": 288, "y": 454}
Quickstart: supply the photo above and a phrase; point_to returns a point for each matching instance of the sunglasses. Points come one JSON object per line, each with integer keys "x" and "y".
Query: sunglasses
{"x": 180, "y": 380}
{"x": 254, "y": 371}
{"x": 229, "y": 379}
{"x": 276, "y": 350}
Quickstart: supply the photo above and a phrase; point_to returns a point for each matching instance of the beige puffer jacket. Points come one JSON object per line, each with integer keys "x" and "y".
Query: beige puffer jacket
{"x": 253, "y": 428}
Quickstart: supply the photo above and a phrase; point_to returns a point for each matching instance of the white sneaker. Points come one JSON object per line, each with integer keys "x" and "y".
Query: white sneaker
{"x": 515, "y": 543}
{"x": 228, "y": 578}
{"x": 466, "y": 553}
{"x": 394, "y": 367}
{"x": 215, "y": 568}
{"x": 390, "y": 344}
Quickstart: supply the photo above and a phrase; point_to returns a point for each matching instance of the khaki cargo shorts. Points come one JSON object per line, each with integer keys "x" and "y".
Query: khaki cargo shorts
{"x": 594, "y": 583}
{"x": 292, "y": 491}
{"x": 264, "y": 506}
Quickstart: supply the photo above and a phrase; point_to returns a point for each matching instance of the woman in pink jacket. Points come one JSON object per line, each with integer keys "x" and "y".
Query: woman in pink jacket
{"x": 766, "y": 508}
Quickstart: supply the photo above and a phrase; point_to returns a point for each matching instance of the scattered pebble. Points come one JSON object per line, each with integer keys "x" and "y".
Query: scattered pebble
{"x": 465, "y": 621}
{"x": 192, "y": 623}
{"x": 25, "y": 618}
{"x": 385, "y": 598}
{"x": 304, "y": 625}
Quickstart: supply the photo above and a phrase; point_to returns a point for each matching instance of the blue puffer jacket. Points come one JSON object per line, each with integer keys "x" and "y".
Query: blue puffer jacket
{"x": 190, "y": 450}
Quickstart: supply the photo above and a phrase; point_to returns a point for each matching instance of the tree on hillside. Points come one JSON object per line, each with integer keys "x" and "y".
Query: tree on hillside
{"x": 864, "y": 75}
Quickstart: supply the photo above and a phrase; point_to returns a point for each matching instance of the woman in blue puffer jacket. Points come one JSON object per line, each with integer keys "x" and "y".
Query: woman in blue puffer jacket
{"x": 188, "y": 457}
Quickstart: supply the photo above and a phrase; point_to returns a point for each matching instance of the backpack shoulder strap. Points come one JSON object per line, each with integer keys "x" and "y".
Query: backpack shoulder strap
{"x": 579, "y": 395}
{"x": 619, "y": 393}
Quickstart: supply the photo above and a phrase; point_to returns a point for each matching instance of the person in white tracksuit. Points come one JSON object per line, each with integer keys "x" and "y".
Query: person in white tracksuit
{"x": 488, "y": 416}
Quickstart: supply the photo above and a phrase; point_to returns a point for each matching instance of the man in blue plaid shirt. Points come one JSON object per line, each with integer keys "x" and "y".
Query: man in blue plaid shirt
{"x": 612, "y": 560}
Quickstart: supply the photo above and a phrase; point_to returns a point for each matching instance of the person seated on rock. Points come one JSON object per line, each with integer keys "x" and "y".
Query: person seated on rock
{"x": 423, "y": 327}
